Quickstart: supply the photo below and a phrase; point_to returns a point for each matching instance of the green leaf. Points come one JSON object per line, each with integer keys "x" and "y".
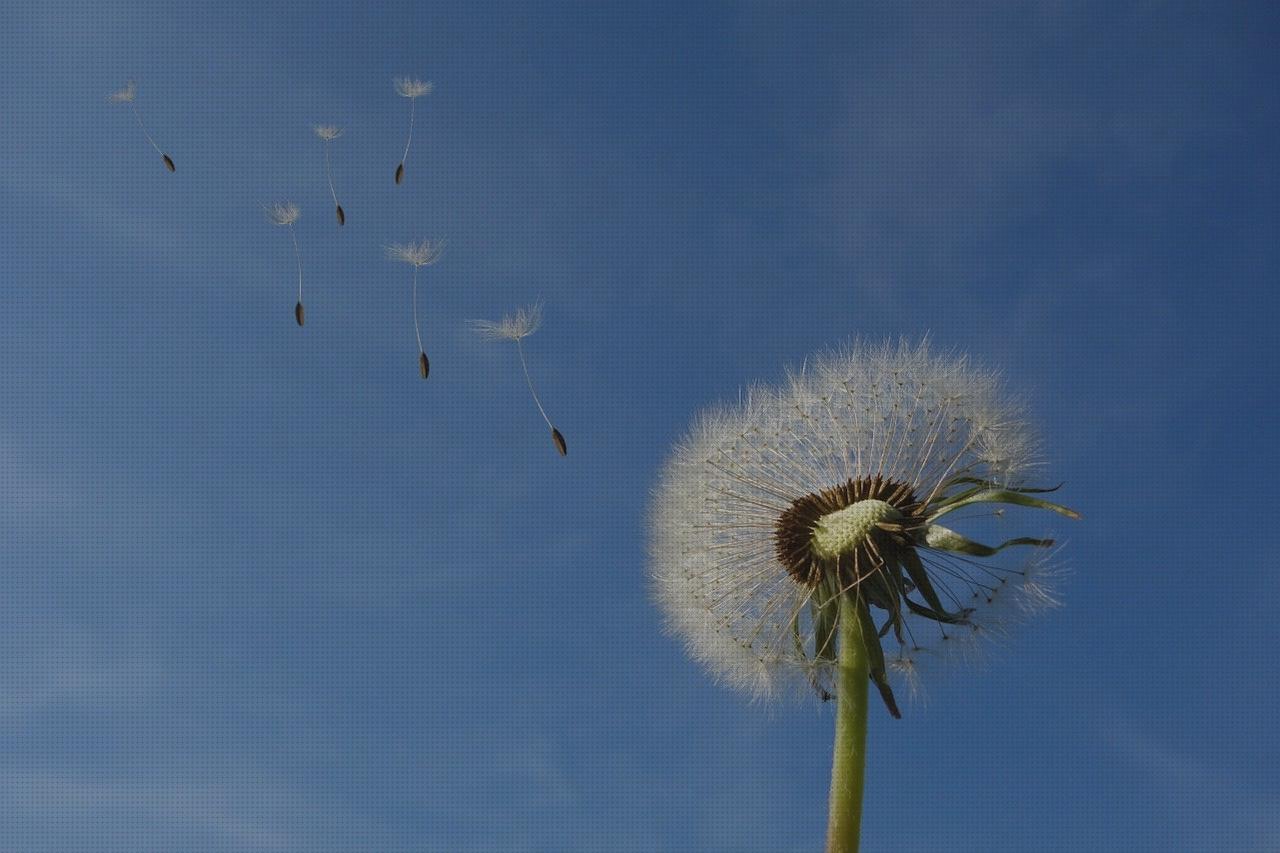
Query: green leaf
{"x": 1003, "y": 496}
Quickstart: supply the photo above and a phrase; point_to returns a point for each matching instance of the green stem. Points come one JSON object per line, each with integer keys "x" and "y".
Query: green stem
{"x": 844, "y": 819}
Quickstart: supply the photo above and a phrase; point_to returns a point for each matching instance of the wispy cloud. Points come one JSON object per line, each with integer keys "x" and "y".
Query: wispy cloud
{"x": 1207, "y": 807}
{"x": 236, "y": 812}
{"x": 959, "y": 123}
{"x": 47, "y": 662}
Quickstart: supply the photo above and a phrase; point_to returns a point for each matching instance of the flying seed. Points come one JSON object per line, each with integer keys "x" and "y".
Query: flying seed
{"x": 516, "y": 327}
{"x": 417, "y": 255}
{"x": 286, "y": 213}
{"x": 408, "y": 87}
{"x": 129, "y": 95}
{"x": 328, "y": 133}
{"x": 299, "y": 314}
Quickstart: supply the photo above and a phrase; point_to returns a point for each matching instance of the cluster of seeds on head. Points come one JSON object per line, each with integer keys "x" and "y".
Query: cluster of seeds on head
{"x": 824, "y": 495}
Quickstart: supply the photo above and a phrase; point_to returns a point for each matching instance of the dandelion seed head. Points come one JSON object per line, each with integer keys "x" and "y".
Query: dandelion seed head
{"x": 327, "y": 132}
{"x": 127, "y": 95}
{"x": 513, "y": 327}
{"x": 409, "y": 87}
{"x": 420, "y": 254}
{"x": 830, "y": 483}
{"x": 282, "y": 212}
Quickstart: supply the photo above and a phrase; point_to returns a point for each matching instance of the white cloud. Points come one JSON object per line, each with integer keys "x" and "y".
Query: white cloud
{"x": 46, "y": 661}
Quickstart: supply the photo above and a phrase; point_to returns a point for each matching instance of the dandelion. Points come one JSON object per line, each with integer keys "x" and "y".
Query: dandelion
{"x": 129, "y": 95}
{"x": 286, "y": 213}
{"x": 328, "y": 133}
{"x": 516, "y": 327}
{"x": 417, "y": 255}
{"x": 408, "y": 87}
{"x": 797, "y": 535}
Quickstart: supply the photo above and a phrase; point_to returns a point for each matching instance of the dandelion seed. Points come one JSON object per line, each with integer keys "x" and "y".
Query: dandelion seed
{"x": 797, "y": 535}
{"x": 417, "y": 255}
{"x": 286, "y": 213}
{"x": 129, "y": 95}
{"x": 516, "y": 327}
{"x": 408, "y": 87}
{"x": 328, "y": 133}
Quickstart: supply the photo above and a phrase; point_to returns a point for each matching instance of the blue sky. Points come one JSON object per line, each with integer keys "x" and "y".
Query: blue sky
{"x": 265, "y": 589}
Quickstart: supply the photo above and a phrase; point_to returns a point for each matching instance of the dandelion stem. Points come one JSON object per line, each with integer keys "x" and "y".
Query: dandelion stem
{"x": 844, "y": 819}
{"x": 529, "y": 382}
{"x": 413, "y": 103}
{"x": 416, "y": 330}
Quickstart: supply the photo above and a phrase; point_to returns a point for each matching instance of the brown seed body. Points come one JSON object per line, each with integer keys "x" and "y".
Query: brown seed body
{"x": 299, "y": 314}
{"x": 168, "y": 163}
{"x": 424, "y": 366}
{"x": 399, "y": 173}
{"x": 559, "y": 442}
{"x": 342, "y": 217}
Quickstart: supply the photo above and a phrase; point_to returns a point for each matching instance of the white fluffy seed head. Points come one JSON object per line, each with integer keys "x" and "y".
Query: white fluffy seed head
{"x": 902, "y": 412}
{"x": 420, "y": 254}
{"x": 327, "y": 132}
{"x": 513, "y": 327}
{"x": 127, "y": 95}
{"x": 410, "y": 87}
{"x": 282, "y": 212}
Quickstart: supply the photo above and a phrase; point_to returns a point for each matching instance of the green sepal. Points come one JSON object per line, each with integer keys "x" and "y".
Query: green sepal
{"x": 795, "y": 635}
{"x": 946, "y": 539}
{"x": 979, "y": 485}
{"x": 936, "y": 615}
{"x": 990, "y": 484}
{"x": 875, "y": 657}
{"x": 920, "y": 577}
{"x": 824, "y": 612}
{"x": 799, "y": 642}
{"x": 1000, "y": 496}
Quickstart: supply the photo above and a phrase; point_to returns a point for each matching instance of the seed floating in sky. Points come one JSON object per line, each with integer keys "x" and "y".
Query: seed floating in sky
{"x": 129, "y": 95}
{"x": 417, "y": 255}
{"x": 286, "y": 213}
{"x": 410, "y": 88}
{"x": 516, "y": 327}
{"x": 328, "y": 133}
